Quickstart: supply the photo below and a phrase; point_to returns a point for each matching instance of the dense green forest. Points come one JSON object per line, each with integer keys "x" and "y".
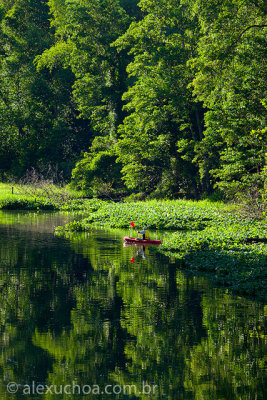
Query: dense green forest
{"x": 164, "y": 98}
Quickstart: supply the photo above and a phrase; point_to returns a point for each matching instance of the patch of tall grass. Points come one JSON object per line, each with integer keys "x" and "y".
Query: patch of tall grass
{"x": 42, "y": 196}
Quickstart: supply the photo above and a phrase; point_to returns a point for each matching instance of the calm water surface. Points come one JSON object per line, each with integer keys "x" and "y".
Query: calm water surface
{"x": 84, "y": 310}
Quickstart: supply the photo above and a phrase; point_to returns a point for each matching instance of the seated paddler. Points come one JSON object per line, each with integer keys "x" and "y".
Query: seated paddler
{"x": 145, "y": 233}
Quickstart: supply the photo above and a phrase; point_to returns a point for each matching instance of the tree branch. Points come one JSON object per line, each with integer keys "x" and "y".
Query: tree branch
{"x": 245, "y": 30}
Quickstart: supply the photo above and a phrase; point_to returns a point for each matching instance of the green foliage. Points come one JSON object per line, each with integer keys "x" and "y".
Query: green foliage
{"x": 168, "y": 97}
{"x": 44, "y": 197}
{"x": 229, "y": 77}
{"x": 242, "y": 167}
{"x": 19, "y": 200}
{"x": 91, "y": 27}
{"x": 173, "y": 215}
{"x": 85, "y": 206}
{"x": 98, "y": 172}
{"x": 100, "y": 79}
{"x": 36, "y": 110}
{"x": 159, "y": 105}
{"x": 233, "y": 254}
{"x": 229, "y": 231}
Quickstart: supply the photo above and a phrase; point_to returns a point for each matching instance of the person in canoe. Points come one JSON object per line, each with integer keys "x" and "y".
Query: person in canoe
{"x": 145, "y": 233}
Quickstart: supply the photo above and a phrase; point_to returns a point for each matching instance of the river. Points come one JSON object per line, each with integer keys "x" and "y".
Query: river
{"x": 82, "y": 316}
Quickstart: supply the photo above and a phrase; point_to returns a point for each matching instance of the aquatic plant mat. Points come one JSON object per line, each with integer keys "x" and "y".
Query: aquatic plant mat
{"x": 211, "y": 238}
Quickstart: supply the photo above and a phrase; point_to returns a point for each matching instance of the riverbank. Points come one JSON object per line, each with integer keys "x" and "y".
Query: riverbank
{"x": 208, "y": 238}
{"x": 46, "y": 198}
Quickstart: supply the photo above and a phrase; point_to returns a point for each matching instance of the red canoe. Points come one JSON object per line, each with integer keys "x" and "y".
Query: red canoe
{"x": 141, "y": 241}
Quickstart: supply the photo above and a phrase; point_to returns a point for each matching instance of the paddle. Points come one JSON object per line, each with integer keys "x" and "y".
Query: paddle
{"x": 132, "y": 260}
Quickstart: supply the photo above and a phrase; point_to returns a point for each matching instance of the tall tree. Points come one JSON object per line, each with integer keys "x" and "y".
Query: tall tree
{"x": 84, "y": 31}
{"x": 230, "y": 78}
{"x": 158, "y": 135}
{"x": 38, "y": 121}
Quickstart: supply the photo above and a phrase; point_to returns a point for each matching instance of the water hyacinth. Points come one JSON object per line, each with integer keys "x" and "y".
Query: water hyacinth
{"x": 209, "y": 238}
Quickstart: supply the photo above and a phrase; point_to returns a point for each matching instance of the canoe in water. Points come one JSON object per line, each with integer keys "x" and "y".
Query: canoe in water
{"x": 141, "y": 241}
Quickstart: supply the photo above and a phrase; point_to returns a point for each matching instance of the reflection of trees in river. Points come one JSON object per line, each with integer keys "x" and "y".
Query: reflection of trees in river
{"x": 232, "y": 355}
{"x": 83, "y": 313}
{"x": 35, "y": 293}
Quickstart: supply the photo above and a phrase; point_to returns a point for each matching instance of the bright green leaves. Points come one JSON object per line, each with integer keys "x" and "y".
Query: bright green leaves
{"x": 85, "y": 30}
{"x": 57, "y": 56}
{"x": 138, "y": 77}
{"x": 230, "y": 80}
{"x": 178, "y": 215}
{"x": 97, "y": 172}
{"x": 36, "y": 108}
{"x": 242, "y": 167}
{"x": 158, "y": 101}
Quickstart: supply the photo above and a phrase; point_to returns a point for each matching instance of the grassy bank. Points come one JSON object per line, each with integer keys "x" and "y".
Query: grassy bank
{"x": 14, "y": 197}
{"x": 211, "y": 238}
{"x": 44, "y": 197}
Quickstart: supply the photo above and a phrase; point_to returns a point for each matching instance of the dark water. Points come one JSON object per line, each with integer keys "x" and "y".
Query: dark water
{"x": 84, "y": 310}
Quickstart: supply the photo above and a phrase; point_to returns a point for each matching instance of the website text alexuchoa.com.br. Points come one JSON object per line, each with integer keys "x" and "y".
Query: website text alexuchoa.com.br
{"x": 35, "y": 388}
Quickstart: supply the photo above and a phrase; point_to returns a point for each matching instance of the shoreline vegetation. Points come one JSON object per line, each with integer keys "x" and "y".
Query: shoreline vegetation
{"x": 212, "y": 238}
